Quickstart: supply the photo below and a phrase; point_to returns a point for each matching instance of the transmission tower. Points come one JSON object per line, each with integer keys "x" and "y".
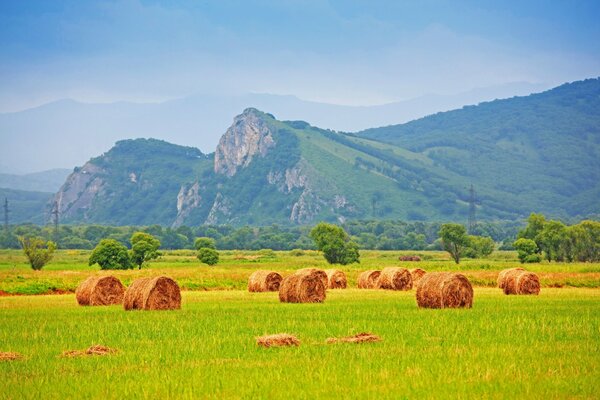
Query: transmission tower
{"x": 55, "y": 220}
{"x": 6, "y": 211}
{"x": 472, "y": 210}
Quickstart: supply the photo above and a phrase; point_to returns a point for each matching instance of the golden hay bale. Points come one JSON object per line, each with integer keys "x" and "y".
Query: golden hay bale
{"x": 395, "y": 278}
{"x": 416, "y": 274}
{"x": 358, "y": 338}
{"x": 502, "y": 276}
{"x": 10, "y": 356}
{"x": 160, "y": 293}
{"x": 521, "y": 282}
{"x": 100, "y": 291}
{"x": 368, "y": 279}
{"x": 336, "y": 279}
{"x": 277, "y": 340}
{"x": 319, "y": 272}
{"x": 95, "y": 350}
{"x": 264, "y": 281}
{"x": 444, "y": 290}
{"x": 304, "y": 286}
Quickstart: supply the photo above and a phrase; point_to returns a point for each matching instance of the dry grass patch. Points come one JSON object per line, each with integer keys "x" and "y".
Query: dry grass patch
{"x": 363, "y": 337}
{"x": 10, "y": 356}
{"x": 95, "y": 350}
{"x": 277, "y": 340}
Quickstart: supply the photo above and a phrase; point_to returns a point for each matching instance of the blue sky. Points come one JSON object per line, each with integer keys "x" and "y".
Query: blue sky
{"x": 344, "y": 52}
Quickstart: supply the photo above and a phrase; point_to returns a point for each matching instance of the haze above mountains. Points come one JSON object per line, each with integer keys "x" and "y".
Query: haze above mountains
{"x": 66, "y": 133}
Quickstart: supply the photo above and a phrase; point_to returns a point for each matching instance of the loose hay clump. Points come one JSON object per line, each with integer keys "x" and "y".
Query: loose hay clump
{"x": 444, "y": 290}
{"x": 95, "y": 350}
{"x": 336, "y": 279}
{"x": 368, "y": 279}
{"x": 502, "y": 276}
{"x": 160, "y": 293}
{"x": 409, "y": 258}
{"x": 264, "y": 281}
{"x": 100, "y": 291}
{"x": 364, "y": 337}
{"x": 304, "y": 286}
{"x": 278, "y": 340}
{"x": 521, "y": 282}
{"x": 10, "y": 356}
{"x": 395, "y": 278}
{"x": 416, "y": 274}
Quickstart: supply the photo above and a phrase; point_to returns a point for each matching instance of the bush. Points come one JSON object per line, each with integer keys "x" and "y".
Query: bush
{"x": 205, "y": 243}
{"x": 110, "y": 254}
{"x": 533, "y": 258}
{"x": 208, "y": 256}
{"x": 525, "y": 249}
{"x": 37, "y": 251}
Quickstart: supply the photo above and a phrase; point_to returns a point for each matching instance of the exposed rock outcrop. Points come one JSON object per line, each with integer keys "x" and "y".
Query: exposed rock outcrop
{"x": 80, "y": 190}
{"x": 248, "y": 137}
{"x": 220, "y": 211}
{"x": 188, "y": 199}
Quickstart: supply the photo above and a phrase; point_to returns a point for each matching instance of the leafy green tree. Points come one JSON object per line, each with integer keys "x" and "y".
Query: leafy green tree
{"x": 208, "y": 256}
{"x": 535, "y": 225}
{"x": 454, "y": 240}
{"x": 335, "y": 244}
{"x": 110, "y": 254}
{"x": 144, "y": 247}
{"x": 37, "y": 251}
{"x": 586, "y": 238}
{"x": 479, "y": 246}
{"x": 552, "y": 240}
{"x": 205, "y": 242}
{"x": 525, "y": 248}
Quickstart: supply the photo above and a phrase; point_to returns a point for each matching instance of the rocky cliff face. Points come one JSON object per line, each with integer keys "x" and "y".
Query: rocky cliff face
{"x": 79, "y": 191}
{"x": 248, "y": 137}
{"x": 188, "y": 199}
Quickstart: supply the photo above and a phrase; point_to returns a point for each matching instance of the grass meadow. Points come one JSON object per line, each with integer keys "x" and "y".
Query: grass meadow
{"x": 544, "y": 346}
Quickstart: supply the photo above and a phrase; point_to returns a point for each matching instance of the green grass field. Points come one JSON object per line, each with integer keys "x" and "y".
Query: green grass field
{"x": 543, "y": 346}
{"x": 505, "y": 347}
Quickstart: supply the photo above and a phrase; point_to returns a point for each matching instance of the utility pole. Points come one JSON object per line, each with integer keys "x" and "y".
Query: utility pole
{"x": 6, "y": 211}
{"x": 472, "y": 210}
{"x": 55, "y": 220}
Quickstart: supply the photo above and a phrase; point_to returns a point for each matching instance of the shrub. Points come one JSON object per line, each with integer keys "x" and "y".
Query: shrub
{"x": 205, "y": 243}
{"x": 533, "y": 258}
{"x": 208, "y": 256}
{"x": 37, "y": 251}
{"x": 525, "y": 248}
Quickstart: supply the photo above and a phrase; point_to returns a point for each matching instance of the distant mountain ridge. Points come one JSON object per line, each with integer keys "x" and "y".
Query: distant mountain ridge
{"x": 45, "y": 181}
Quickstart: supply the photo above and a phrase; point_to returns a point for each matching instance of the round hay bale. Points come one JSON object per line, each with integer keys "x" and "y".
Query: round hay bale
{"x": 502, "y": 276}
{"x": 409, "y": 258}
{"x": 336, "y": 279}
{"x": 368, "y": 279}
{"x": 303, "y": 287}
{"x": 320, "y": 272}
{"x": 416, "y": 274}
{"x": 444, "y": 290}
{"x": 160, "y": 293}
{"x": 264, "y": 281}
{"x": 395, "y": 278}
{"x": 100, "y": 291}
{"x": 521, "y": 282}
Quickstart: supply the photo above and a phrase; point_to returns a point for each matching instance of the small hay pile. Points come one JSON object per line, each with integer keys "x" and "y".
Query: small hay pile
{"x": 395, "y": 278}
{"x": 336, "y": 279}
{"x": 416, "y": 274}
{"x": 100, "y": 291}
{"x": 363, "y": 337}
{"x": 409, "y": 258}
{"x": 368, "y": 279}
{"x": 444, "y": 290}
{"x": 95, "y": 350}
{"x": 304, "y": 286}
{"x": 264, "y": 281}
{"x": 502, "y": 276}
{"x": 521, "y": 282}
{"x": 10, "y": 356}
{"x": 160, "y": 293}
{"x": 278, "y": 340}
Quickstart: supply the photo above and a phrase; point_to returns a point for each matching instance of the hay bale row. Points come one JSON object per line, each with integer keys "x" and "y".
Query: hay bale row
{"x": 304, "y": 286}
{"x": 368, "y": 279}
{"x": 395, "y": 278}
{"x": 264, "y": 281}
{"x": 160, "y": 293}
{"x": 444, "y": 290}
{"x": 519, "y": 281}
{"x": 336, "y": 279}
{"x": 100, "y": 291}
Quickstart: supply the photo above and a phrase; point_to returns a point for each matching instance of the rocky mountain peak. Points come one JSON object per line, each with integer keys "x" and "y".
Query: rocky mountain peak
{"x": 248, "y": 136}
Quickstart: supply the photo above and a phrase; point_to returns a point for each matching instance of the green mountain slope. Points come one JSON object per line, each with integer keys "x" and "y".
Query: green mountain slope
{"x": 533, "y": 153}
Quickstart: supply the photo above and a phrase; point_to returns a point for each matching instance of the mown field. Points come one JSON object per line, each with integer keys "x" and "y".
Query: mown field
{"x": 504, "y": 347}
{"x": 69, "y": 267}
